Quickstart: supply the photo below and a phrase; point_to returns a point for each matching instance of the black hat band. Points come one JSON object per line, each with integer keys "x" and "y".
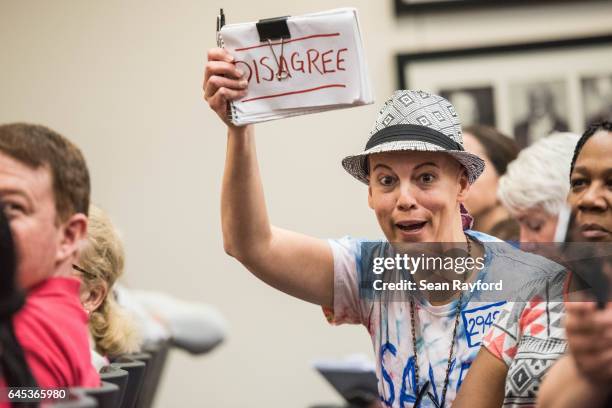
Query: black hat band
{"x": 409, "y": 132}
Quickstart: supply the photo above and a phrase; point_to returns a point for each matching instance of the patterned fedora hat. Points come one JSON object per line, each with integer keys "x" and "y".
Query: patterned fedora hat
{"x": 419, "y": 121}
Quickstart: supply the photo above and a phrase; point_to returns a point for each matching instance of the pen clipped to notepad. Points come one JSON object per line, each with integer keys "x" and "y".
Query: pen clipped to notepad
{"x": 220, "y": 24}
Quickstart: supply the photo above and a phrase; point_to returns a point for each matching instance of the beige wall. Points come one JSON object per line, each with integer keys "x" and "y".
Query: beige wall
{"x": 122, "y": 79}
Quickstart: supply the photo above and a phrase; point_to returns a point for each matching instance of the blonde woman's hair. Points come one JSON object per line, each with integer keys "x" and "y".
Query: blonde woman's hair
{"x": 103, "y": 258}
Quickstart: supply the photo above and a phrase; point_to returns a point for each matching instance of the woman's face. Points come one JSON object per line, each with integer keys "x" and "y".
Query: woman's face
{"x": 483, "y": 193}
{"x": 590, "y": 193}
{"x": 416, "y": 195}
{"x": 536, "y": 225}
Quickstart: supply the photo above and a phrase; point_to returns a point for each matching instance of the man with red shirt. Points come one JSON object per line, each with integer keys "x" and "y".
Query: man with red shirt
{"x": 44, "y": 187}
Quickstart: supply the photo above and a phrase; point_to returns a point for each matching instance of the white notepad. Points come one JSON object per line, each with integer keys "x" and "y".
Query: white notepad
{"x": 322, "y": 63}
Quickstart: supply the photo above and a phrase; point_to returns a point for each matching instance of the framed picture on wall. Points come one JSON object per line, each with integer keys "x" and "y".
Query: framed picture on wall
{"x": 474, "y": 105}
{"x": 415, "y": 6}
{"x": 596, "y": 97}
{"x": 527, "y": 90}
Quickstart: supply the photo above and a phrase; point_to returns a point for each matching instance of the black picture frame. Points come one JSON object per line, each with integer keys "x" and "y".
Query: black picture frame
{"x": 404, "y": 59}
{"x": 443, "y": 61}
{"x": 402, "y": 7}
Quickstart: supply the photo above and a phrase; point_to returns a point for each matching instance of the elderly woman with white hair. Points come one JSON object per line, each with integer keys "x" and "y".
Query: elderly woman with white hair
{"x": 534, "y": 188}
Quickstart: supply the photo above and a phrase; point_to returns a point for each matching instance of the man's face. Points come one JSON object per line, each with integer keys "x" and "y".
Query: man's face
{"x": 29, "y": 205}
{"x": 416, "y": 195}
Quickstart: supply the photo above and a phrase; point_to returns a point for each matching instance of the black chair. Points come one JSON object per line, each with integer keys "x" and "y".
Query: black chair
{"x": 116, "y": 376}
{"x": 146, "y": 358}
{"x": 106, "y": 395}
{"x": 136, "y": 373}
{"x": 159, "y": 354}
{"x": 76, "y": 398}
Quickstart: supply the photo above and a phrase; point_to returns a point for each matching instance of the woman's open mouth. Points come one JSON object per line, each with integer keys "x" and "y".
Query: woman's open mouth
{"x": 411, "y": 227}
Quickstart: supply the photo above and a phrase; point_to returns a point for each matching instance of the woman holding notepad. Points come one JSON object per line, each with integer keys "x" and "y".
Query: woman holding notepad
{"x": 418, "y": 176}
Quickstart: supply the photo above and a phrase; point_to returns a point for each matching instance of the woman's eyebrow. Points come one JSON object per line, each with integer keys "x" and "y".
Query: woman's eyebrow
{"x": 381, "y": 165}
{"x": 426, "y": 164}
{"x": 581, "y": 169}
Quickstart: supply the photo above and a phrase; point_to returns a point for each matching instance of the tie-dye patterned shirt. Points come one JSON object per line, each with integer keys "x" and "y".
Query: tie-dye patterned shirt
{"x": 529, "y": 337}
{"x": 389, "y": 323}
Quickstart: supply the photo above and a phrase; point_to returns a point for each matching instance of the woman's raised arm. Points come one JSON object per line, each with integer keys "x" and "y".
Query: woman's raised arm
{"x": 297, "y": 264}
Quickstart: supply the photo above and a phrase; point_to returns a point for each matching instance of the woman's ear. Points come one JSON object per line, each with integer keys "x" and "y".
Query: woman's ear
{"x": 95, "y": 295}
{"x": 370, "y": 199}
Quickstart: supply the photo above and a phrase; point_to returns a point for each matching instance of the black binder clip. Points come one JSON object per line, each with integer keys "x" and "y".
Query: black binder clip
{"x": 273, "y": 29}
{"x": 276, "y": 28}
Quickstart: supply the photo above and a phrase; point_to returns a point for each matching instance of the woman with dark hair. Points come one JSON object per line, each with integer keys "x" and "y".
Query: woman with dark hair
{"x": 529, "y": 337}
{"x": 14, "y": 372}
{"x": 497, "y": 150}
{"x": 583, "y": 376}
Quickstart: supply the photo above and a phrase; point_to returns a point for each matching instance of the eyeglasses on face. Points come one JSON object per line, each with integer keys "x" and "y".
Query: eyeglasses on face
{"x": 83, "y": 271}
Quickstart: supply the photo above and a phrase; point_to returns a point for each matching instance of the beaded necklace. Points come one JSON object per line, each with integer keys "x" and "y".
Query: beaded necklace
{"x": 421, "y": 392}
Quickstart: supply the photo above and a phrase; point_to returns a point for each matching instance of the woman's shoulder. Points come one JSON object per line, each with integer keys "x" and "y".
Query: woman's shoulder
{"x": 481, "y": 236}
{"x": 508, "y": 255}
{"x": 350, "y": 246}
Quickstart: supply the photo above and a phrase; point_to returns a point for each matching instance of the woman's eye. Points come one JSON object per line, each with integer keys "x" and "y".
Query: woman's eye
{"x": 427, "y": 178}
{"x": 576, "y": 183}
{"x": 386, "y": 180}
{"x": 535, "y": 228}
